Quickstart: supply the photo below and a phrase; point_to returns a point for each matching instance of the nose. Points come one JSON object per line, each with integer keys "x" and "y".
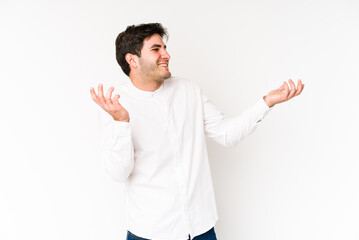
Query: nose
{"x": 165, "y": 54}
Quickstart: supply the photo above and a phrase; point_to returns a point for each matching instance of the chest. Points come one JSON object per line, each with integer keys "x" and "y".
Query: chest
{"x": 166, "y": 117}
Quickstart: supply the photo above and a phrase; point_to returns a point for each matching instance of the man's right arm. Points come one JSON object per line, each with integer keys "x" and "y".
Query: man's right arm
{"x": 118, "y": 153}
{"x": 117, "y": 149}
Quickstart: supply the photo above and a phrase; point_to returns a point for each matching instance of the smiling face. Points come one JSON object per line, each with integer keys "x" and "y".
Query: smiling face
{"x": 154, "y": 60}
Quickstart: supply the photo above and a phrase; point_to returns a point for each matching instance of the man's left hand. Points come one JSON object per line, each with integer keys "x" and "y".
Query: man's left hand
{"x": 283, "y": 93}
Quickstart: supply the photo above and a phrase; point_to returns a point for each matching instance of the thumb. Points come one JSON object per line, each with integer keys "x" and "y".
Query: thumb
{"x": 281, "y": 88}
{"x": 115, "y": 98}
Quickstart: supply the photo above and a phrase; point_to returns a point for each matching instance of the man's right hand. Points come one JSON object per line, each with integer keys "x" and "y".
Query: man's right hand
{"x": 110, "y": 105}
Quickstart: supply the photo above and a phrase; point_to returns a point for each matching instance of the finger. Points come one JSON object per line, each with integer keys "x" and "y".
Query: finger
{"x": 116, "y": 105}
{"x": 95, "y": 97}
{"x": 93, "y": 94}
{"x": 300, "y": 88}
{"x": 292, "y": 89}
{"x": 115, "y": 100}
{"x": 100, "y": 94}
{"x": 108, "y": 96}
{"x": 100, "y": 90}
{"x": 282, "y": 88}
{"x": 286, "y": 89}
{"x": 109, "y": 92}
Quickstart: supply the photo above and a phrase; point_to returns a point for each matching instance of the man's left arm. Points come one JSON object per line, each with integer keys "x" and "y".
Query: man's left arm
{"x": 230, "y": 131}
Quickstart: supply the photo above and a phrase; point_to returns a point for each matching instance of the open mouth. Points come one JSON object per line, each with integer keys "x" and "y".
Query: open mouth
{"x": 164, "y": 65}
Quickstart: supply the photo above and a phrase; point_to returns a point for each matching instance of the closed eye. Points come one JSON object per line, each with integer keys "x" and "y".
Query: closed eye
{"x": 155, "y": 49}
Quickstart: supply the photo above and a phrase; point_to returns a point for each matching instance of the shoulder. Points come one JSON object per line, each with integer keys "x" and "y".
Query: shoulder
{"x": 122, "y": 86}
{"x": 181, "y": 87}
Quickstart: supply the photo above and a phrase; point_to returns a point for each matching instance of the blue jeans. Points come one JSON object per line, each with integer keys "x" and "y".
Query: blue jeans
{"x": 210, "y": 235}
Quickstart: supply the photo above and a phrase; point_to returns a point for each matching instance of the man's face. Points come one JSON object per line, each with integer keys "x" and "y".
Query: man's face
{"x": 154, "y": 60}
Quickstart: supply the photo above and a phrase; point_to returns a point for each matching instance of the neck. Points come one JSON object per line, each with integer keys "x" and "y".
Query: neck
{"x": 145, "y": 84}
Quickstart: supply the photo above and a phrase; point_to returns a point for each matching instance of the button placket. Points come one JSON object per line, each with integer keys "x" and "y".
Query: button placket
{"x": 178, "y": 167}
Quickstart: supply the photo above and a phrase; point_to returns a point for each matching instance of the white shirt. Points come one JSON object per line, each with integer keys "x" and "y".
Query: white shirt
{"x": 161, "y": 156}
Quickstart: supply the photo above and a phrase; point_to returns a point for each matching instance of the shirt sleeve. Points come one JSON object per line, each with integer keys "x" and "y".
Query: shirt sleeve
{"x": 117, "y": 148}
{"x": 230, "y": 131}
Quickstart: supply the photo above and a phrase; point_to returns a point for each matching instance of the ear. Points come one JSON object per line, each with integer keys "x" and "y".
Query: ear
{"x": 131, "y": 59}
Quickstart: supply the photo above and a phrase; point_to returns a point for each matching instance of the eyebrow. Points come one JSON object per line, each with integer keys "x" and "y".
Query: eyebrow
{"x": 157, "y": 45}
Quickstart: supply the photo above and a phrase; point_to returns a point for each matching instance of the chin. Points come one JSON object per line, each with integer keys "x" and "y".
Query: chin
{"x": 166, "y": 76}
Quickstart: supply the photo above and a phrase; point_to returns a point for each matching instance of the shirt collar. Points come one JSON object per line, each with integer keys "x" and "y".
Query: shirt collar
{"x": 136, "y": 90}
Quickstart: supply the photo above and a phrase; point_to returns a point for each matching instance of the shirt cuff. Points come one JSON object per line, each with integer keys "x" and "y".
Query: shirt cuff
{"x": 121, "y": 133}
{"x": 121, "y": 126}
{"x": 262, "y": 109}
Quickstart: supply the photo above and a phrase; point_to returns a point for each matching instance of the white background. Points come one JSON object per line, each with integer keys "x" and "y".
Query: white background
{"x": 295, "y": 178}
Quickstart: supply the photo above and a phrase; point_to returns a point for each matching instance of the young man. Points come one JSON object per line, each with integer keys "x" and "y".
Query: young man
{"x": 157, "y": 142}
